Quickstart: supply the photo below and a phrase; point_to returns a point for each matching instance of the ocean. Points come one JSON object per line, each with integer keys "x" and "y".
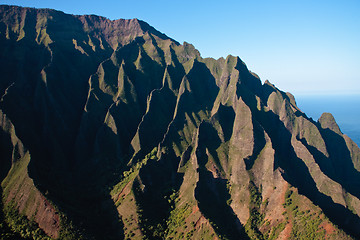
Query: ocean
{"x": 344, "y": 108}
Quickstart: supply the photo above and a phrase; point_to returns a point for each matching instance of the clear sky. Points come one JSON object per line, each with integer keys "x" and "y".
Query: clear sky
{"x": 304, "y": 47}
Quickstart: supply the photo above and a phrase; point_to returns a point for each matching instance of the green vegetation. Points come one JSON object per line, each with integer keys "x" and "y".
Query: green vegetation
{"x": 17, "y": 175}
{"x": 16, "y": 224}
{"x": 68, "y": 231}
{"x": 288, "y": 199}
{"x": 307, "y": 226}
{"x": 256, "y": 219}
{"x": 130, "y": 174}
{"x": 305, "y": 223}
{"x": 152, "y": 226}
{"x": 177, "y": 220}
{"x": 275, "y": 231}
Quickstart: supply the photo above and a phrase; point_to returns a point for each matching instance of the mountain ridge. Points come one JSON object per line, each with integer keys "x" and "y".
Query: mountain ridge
{"x": 110, "y": 131}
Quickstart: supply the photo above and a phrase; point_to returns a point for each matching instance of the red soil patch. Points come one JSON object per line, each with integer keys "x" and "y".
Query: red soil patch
{"x": 195, "y": 209}
{"x": 47, "y": 218}
{"x": 285, "y": 234}
{"x": 125, "y": 191}
{"x": 214, "y": 170}
{"x": 37, "y": 206}
{"x": 329, "y": 228}
{"x": 200, "y": 221}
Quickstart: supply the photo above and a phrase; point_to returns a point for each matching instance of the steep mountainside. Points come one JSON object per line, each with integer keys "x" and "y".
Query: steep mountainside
{"x": 112, "y": 130}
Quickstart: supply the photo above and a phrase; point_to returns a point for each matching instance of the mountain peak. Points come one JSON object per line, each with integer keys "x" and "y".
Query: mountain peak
{"x": 327, "y": 120}
{"x": 113, "y": 32}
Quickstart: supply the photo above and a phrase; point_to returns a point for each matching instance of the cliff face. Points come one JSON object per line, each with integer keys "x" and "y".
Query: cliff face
{"x": 110, "y": 129}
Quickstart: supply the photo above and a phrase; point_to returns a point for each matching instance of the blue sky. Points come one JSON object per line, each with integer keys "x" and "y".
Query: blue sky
{"x": 304, "y": 47}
